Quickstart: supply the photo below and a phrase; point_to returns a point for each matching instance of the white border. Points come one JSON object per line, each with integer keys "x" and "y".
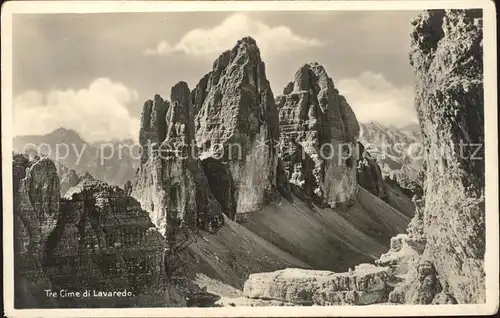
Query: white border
{"x": 490, "y": 89}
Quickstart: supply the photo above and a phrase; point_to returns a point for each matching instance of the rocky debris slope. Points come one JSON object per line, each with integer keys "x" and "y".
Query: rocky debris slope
{"x": 447, "y": 57}
{"x": 111, "y": 161}
{"x": 170, "y": 182}
{"x": 318, "y": 137}
{"x": 367, "y": 284}
{"x": 96, "y": 238}
{"x": 236, "y": 120}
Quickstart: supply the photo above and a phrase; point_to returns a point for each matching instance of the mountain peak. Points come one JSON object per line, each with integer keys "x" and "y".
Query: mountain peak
{"x": 66, "y": 135}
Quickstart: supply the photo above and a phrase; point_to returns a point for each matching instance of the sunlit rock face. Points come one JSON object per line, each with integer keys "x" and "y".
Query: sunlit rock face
{"x": 447, "y": 57}
{"x": 170, "y": 183}
{"x": 236, "y": 121}
{"x": 318, "y": 140}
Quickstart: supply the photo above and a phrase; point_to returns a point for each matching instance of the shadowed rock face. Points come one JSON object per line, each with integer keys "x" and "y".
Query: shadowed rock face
{"x": 316, "y": 122}
{"x": 447, "y": 58}
{"x": 170, "y": 183}
{"x": 95, "y": 238}
{"x": 36, "y": 211}
{"x": 369, "y": 175}
{"x": 235, "y": 111}
{"x": 367, "y": 284}
{"x": 113, "y": 161}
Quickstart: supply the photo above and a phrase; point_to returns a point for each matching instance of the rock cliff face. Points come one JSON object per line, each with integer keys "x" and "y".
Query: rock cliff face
{"x": 96, "y": 238}
{"x": 170, "y": 182}
{"x": 111, "y": 161}
{"x": 447, "y": 57}
{"x": 236, "y": 119}
{"x": 105, "y": 241}
{"x": 318, "y": 137}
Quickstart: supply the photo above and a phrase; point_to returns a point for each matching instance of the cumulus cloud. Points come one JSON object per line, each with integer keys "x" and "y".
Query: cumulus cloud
{"x": 210, "y": 41}
{"x": 98, "y": 112}
{"x": 373, "y": 98}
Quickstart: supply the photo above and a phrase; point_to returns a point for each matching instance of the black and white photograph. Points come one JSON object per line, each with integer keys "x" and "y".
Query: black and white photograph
{"x": 216, "y": 158}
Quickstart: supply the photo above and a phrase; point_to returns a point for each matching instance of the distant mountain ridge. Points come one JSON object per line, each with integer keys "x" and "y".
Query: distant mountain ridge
{"x": 112, "y": 162}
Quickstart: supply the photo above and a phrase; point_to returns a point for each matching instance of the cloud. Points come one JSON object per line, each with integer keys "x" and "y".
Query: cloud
{"x": 98, "y": 112}
{"x": 373, "y": 98}
{"x": 215, "y": 40}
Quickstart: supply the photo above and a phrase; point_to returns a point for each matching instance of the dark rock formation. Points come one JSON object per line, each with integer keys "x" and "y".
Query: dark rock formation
{"x": 369, "y": 174}
{"x": 111, "y": 161}
{"x": 236, "y": 120}
{"x": 170, "y": 182}
{"x": 447, "y": 57}
{"x": 70, "y": 178}
{"x": 318, "y": 138}
{"x": 105, "y": 241}
{"x": 127, "y": 187}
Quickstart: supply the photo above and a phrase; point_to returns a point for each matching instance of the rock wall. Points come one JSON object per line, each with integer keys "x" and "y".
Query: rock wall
{"x": 318, "y": 137}
{"x": 170, "y": 183}
{"x": 236, "y": 119}
{"x": 447, "y": 56}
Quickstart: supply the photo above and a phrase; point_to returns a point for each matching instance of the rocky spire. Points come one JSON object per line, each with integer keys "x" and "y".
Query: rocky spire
{"x": 153, "y": 124}
{"x": 316, "y": 121}
{"x": 171, "y": 184}
{"x": 236, "y": 114}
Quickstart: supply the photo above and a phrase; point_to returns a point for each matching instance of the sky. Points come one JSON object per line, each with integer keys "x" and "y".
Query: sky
{"x": 93, "y": 72}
